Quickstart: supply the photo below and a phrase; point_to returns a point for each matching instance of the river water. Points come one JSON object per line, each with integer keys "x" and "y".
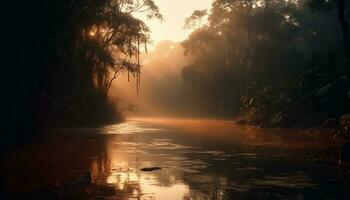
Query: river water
{"x": 199, "y": 159}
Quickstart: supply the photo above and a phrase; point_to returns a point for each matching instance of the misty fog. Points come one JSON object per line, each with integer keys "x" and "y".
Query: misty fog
{"x": 162, "y": 89}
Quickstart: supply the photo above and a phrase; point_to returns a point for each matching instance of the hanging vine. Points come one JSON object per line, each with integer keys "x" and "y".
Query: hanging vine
{"x": 116, "y": 41}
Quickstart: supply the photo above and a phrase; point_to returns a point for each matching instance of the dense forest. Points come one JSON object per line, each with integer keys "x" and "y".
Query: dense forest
{"x": 273, "y": 63}
{"x": 267, "y": 62}
{"x": 62, "y": 56}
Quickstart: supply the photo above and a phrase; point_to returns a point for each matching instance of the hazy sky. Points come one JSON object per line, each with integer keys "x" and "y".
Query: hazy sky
{"x": 174, "y": 12}
{"x": 161, "y": 66}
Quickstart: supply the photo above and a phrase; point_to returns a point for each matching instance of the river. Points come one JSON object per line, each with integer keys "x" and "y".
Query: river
{"x": 199, "y": 159}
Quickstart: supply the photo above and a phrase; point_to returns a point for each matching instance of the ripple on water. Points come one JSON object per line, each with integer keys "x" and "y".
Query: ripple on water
{"x": 249, "y": 168}
{"x": 214, "y": 153}
{"x": 287, "y": 181}
{"x": 178, "y": 158}
{"x": 164, "y": 146}
{"x": 128, "y": 127}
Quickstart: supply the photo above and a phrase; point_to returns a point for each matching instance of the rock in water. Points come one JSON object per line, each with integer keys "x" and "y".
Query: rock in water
{"x": 149, "y": 169}
{"x": 344, "y": 153}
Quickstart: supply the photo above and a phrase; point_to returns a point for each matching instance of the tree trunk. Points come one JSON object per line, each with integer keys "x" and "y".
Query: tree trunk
{"x": 344, "y": 23}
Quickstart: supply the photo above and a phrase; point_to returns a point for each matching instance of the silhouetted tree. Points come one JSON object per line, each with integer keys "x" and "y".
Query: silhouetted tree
{"x": 63, "y": 56}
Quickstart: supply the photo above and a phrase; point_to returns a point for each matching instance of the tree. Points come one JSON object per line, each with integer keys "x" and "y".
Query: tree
{"x": 195, "y": 20}
{"x": 342, "y": 7}
{"x": 65, "y": 55}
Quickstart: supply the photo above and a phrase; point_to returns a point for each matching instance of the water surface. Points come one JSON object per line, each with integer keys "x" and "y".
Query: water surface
{"x": 200, "y": 159}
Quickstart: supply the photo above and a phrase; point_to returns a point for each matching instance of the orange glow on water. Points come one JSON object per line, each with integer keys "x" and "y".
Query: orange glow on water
{"x": 199, "y": 159}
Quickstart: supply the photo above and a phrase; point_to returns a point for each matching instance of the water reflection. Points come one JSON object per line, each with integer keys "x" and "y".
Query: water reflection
{"x": 200, "y": 159}
{"x": 206, "y": 160}
{"x": 129, "y": 127}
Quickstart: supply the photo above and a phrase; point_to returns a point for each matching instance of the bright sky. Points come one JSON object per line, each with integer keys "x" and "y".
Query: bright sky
{"x": 174, "y": 12}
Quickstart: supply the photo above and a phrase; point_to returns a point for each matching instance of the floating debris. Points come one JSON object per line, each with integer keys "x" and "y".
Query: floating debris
{"x": 149, "y": 169}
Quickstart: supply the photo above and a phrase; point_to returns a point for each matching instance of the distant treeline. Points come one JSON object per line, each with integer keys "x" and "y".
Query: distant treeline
{"x": 270, "y": 61}
{"x": 61, "y": 57}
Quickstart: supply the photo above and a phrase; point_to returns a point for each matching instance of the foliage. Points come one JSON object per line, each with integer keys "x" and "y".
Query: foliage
{"x": 64, "y": 54}
{"x": 263, "y": 56}
{"x": 195, "y": 20}
{"x": 261, "y": 104}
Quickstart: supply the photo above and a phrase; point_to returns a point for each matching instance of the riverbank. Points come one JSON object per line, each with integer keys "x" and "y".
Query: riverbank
{"x": 334, "y": 134}
{"x": 337, "y": 128}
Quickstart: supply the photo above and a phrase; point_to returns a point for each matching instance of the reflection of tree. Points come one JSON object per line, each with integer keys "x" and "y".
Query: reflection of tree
{"x": 59, "y": 164}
